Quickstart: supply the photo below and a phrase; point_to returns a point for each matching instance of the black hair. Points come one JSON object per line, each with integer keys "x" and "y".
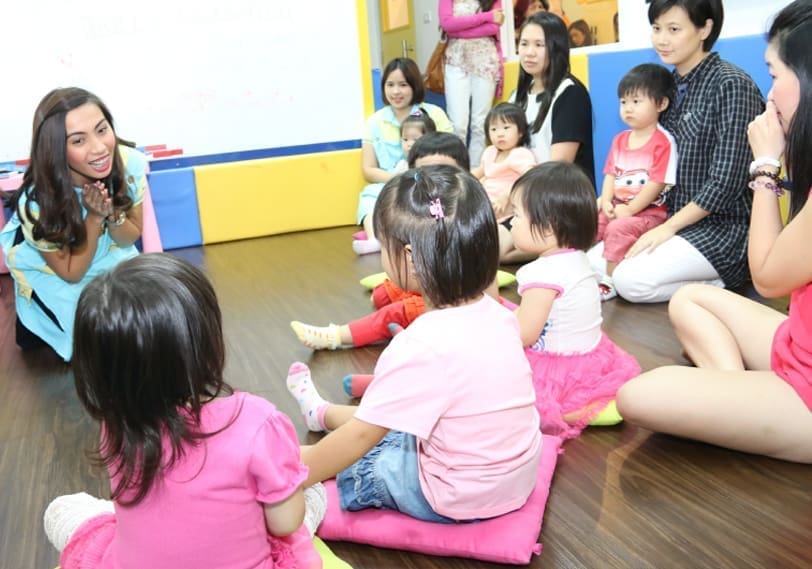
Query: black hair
{"x": 559, "y": 197}
{"x": 557, "y": 42}
{"x": 420, "y": 117}
{"x": 511, "y": 114}
{"x": 148, "y": 353}
{"x": 699, "y": 12}
{"x": 446, "y": 218}
{"x": 650, "y": 80}
{"x": 443, "y": 143}
{"x": 412, "y": 75}
{"x": 47, "y": 180}
{"x": 790, "y": 33}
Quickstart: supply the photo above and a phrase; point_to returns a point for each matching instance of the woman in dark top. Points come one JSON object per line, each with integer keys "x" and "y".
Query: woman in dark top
{"x": 705, "y": 236}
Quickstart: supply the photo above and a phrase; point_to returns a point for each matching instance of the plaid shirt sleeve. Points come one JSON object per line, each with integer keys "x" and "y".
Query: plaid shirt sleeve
{"x": 737, "y": 104}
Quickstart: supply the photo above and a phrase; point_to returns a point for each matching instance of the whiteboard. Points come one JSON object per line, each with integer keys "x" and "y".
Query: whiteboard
{"x": 209, "y": 76}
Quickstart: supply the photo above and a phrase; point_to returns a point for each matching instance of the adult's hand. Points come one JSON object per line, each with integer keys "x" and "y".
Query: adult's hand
{"x": 765, "y": 134}
{"x": 499, "y": 16}
{"x": 651, "y": 239}
{"x": 96, "y": 199}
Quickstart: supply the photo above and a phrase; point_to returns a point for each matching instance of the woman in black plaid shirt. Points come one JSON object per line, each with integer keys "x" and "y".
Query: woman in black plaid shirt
{"x": 705, "y": 236}
{"x": 751, "y": 389}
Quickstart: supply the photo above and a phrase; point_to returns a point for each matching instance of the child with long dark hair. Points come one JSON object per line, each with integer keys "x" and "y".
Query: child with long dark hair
{"x": 201, "y": 475}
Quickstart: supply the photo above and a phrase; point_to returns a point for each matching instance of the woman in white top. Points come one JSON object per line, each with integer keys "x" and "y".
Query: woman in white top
{"x": 557, "y": 105}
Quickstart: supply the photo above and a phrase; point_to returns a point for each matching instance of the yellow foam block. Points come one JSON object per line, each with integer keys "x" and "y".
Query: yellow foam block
{"x": 579, "y": 66}
{"x": 240, "y": 200}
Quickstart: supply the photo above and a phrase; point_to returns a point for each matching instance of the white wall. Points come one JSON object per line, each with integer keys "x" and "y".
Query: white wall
{"x": 210, "y": 78}
{"x": 742, "y": 18}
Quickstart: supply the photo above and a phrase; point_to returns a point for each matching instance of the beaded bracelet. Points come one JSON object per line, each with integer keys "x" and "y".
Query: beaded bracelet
{"x": 775, "y": 184}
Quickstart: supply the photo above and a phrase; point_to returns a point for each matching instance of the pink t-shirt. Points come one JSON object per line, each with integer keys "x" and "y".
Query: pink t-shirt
{"x": 500, "y": 176}
{"x": 206, "y": 511}
{"x": 655, "y": 161}
{"x": 792, "y": 345}
{"x": 458, "y": 379}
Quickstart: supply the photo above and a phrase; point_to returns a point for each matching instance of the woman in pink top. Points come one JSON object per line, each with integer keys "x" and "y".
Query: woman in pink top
{"x": 446, "y": 431}
{"x": 200, "y": 476}
{"x": 752, "y": 387}
{"x": 473, "y": 65}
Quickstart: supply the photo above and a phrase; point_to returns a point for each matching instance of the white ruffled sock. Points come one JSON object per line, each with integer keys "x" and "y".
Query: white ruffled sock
{"x": 66, "y": 513}
{"x": 315, "y": 507}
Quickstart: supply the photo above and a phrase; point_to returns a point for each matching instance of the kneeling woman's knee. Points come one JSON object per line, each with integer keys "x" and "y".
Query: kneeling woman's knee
{"x": 631, "y": 285}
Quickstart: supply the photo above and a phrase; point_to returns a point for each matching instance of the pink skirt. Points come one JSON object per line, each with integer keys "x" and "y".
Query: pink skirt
{"x": 578, "y": 383}
{"x": 91, "y": 545}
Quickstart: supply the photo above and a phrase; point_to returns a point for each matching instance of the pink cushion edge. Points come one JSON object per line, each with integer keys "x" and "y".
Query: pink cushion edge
{"x": 511, "y": 538}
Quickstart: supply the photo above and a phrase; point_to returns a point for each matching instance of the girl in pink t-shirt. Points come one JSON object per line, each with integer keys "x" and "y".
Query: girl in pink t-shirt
{"x": 751, "y": 389}
{"x": 447, "y": 430}
{"x": 201, "y": 476}
{"x": 577, "y": 369}
{"x": 507, "y": 157}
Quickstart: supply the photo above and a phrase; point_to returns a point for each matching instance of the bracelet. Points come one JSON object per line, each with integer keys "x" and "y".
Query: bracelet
{"x": 763, "y": 161}
{"x": 117, "y": 221}
{"x": 774, "y": 184}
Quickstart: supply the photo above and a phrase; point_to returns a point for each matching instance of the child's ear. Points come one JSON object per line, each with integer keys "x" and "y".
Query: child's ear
{"x": 663, "y": 104}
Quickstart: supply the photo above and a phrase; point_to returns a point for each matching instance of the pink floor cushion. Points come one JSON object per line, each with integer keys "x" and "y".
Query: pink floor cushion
{"x": 511, "y": 538}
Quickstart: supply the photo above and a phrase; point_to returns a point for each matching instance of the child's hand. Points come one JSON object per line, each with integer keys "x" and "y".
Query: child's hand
{"x": 608, "y": 208}
{"x": 499, "y": 16}
{"x": 96, "y": 199}
{"x": 501, "y": 206}
{"x": 623, "y": 210}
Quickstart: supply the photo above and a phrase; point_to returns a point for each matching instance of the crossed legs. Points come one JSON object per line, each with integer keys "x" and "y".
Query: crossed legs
{"x": 732, "y": 398}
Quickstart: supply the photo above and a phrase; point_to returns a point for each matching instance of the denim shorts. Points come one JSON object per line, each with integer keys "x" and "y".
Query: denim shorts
{"x": 386, "y": 478}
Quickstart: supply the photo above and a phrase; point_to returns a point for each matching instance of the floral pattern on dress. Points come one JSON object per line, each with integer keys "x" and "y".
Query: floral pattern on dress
{"x": 475, "y": 56}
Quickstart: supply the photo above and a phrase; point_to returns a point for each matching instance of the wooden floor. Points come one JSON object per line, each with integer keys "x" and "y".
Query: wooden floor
{"x": 621, "y": 497}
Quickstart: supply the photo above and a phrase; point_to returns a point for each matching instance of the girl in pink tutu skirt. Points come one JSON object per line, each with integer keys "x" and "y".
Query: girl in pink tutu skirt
{"x": 577, "y": 369}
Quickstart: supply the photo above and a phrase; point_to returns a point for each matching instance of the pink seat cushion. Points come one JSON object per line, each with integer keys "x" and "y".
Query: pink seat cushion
{"x": 511, "y": 538}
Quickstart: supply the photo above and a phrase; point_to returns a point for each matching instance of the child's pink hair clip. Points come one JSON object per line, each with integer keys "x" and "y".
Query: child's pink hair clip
{"x": 436, "y": 209}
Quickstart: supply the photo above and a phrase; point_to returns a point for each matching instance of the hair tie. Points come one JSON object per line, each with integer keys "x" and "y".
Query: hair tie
{"x": 436, "y": 209}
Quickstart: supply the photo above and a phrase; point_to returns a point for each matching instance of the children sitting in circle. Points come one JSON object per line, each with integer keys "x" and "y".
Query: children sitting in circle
{"x": 393, "y": 305}
{"x": 201, "y": 475}
{"x": 577, "y": 369}
{"x": 641, "y": 165}
{"x": 506, "y": 157}
{"x": 448, "y": 431}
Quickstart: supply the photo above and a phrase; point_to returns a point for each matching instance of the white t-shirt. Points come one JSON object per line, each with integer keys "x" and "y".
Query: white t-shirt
{"x": 574, "y": 324}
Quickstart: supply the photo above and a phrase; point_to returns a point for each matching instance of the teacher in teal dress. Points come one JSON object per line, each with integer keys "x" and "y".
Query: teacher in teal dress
{"x": 76, "y": 215}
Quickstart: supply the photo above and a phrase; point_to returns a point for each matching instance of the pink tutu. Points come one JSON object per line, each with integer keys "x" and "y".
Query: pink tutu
{"x": 91, "y": 545}
{"x": 566, "y": 383}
